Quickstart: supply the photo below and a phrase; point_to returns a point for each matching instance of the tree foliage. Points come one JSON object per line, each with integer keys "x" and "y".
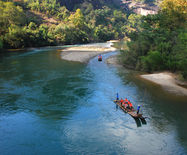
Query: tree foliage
{"x": 90, "y": 22}
{"x": 161, "y": 41}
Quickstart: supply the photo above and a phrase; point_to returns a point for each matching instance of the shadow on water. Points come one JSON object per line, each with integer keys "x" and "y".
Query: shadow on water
{"x": 43, "y": 84}
{"x": 143, "y": 120}
{"x": 138, "y": 122}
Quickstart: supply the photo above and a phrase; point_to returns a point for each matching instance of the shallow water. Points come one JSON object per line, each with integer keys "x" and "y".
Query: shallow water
{"x": 52, "y": 106}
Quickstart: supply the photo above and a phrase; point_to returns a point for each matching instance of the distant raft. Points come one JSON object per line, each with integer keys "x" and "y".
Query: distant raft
{"x": 99, "y": 58}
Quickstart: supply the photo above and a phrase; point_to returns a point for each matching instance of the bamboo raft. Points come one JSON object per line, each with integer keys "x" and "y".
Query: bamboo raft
{"x": 99, "y": 59}
{"x": 132, "y": 112}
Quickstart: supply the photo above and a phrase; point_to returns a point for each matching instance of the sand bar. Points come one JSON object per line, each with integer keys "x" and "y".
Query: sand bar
{"x": 167, "y": 81}
{"x": 85, "y": 53}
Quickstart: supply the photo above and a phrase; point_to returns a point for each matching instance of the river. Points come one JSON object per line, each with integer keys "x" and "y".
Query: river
{"x": 52, "y": 106}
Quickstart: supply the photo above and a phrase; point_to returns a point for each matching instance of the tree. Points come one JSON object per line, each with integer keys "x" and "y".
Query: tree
{"x": 14, "y": 37}
{"x": 10, "y": 14}
{"x": 77, "y": 19}
{"x": 173, "y": 13}
{"x": 172, "y": 6}
{"x": 63, "y": 13}
{"x": 1, "y": 43}
{"x": 160, "y": 42}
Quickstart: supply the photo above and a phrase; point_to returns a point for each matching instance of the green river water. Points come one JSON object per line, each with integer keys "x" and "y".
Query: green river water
{"x": 52, "y": 106}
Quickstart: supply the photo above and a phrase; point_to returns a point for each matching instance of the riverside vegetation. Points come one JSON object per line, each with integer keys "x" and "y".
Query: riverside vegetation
{"x": 157, "y": 42}
{"x": 160, "y": 40}
{"x": 22, "y": 25}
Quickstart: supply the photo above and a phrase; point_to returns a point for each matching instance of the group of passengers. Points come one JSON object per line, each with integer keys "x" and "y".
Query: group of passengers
{"x": 99, "y": 57}
{"x": 126, "y": 104}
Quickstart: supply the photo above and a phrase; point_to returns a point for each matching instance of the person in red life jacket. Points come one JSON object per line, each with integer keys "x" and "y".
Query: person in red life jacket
{"x": 126, "y": 101}
{"x": 99, "y": 57}
{"x": 130, "y": 105}
{"x": 123, "y": 104}
{"x": 126, "y": 105}
{"x": 121, "y": 101}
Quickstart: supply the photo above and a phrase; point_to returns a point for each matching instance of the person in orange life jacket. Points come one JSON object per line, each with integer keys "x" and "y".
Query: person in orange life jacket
{"x": 99, "y": 57}
{"x": 125, "y": 105}
{"x": 130, "y": 105}
{"x": 121, "y": 101}
{"x": 126, "y": 101}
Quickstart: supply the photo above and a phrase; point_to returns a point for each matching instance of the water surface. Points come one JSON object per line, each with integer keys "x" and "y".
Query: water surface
{"x": 52, "y": 106}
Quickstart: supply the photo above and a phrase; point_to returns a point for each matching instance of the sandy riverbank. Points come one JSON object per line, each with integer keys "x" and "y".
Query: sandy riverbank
{"x": 85, "y": 52}
{"x": 167, "y": 81}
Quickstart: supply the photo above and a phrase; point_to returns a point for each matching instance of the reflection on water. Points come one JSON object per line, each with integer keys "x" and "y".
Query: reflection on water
{"x": 52, "y": 106}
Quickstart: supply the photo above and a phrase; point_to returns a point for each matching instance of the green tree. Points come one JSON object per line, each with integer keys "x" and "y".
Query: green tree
{"x": 159, "y": 43}
{"x": 14, "y": 37}
{"x": 10, "y": 15}
{"x": 152, "y": 61}
{"x": 1, "y": 43}
{"x": 77, "y": 19}
{"x": 63, "y": 13}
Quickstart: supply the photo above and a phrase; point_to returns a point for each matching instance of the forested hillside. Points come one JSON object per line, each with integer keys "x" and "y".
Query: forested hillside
{"x": 97, "y": 4}
{"x": 143, "y": 7}
{"x": 160, "y": 43}
{"x": 31, "y": 23}
{"x": 157, "y": 42}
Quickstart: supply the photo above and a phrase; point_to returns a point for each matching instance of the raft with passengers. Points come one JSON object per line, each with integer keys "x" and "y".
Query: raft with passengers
{"x": 127, "y": 107}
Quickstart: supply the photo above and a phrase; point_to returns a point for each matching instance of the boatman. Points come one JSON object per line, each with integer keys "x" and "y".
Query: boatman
{"x": 138, "y": 109}
{"x": 117, "y": 96}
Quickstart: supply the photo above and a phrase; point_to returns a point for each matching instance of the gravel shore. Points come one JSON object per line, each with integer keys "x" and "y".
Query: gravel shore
{"x": 84, "y": 53}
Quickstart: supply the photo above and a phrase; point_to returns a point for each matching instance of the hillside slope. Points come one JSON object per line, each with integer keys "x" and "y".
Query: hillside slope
{"x": 28, "y": 23}
{"x": 97, "y": 4}
{"x": 141, "y": 7}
